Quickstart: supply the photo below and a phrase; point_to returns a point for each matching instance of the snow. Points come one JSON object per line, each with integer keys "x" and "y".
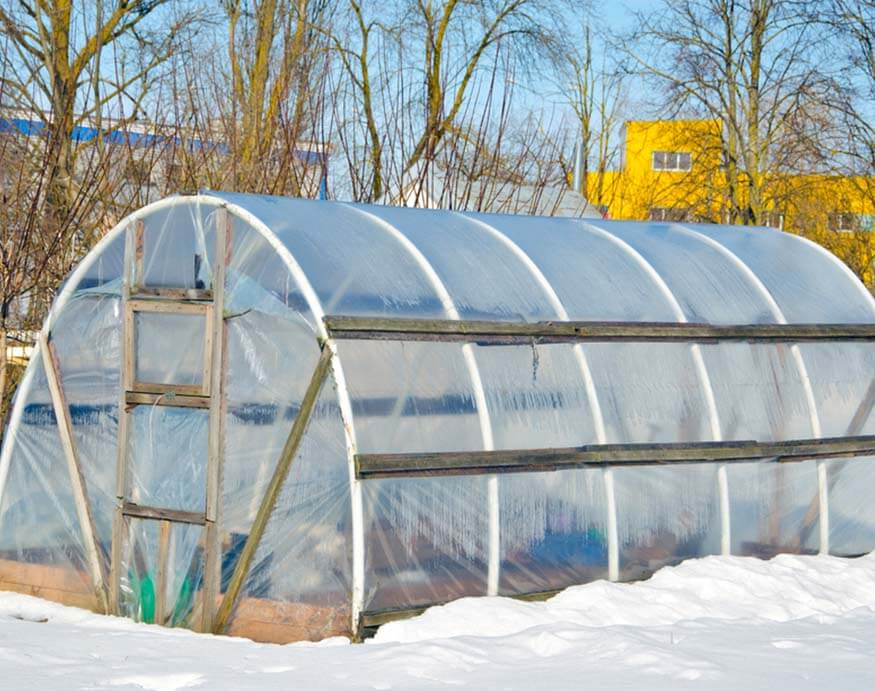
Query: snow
{"x": 716, "y": 623}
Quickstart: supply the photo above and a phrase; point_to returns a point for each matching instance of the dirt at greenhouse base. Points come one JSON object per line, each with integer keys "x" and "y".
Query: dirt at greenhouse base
{"x": 716, "y": 623}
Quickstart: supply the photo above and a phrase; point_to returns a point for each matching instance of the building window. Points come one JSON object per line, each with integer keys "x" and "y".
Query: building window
{"x": 676, "y": 161}
{"x": 845, "y": 221}
{"x": 773, "y": 219}
{"x": 671, "y": 214}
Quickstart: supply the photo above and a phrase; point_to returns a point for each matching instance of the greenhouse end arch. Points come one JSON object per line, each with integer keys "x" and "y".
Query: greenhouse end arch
{"x": 288, "y": 419}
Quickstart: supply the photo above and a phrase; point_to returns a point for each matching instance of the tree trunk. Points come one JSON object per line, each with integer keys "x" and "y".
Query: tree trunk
{"x": 2, "y": 383}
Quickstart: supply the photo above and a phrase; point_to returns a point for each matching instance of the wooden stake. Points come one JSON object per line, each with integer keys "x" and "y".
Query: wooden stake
{"x": 119, "y": 522}
{"x": 214, "y": 382}
{"x": 271, "y": 494}
{"x": 77, "y": 482}
{"x": 139, "y": 278}
{"x": 161, "y": 572}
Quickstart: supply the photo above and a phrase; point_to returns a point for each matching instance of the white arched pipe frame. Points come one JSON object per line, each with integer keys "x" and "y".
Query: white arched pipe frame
{"x": 58, "y": 305}
{"x": 698, "y": 363}
{"x": 344, "y": 403}
{"x": 799, "y": 361}
{"x": 485, "y": 421}
{"x": 823, "y": 480}
{"x": 588, "y": 382}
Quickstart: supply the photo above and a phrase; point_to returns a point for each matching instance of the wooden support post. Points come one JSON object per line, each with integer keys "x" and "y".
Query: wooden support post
{"x": 214, "y": 382}
{"x": 271, "y": 494}
{"x": 161, "y": 572}
{"x": 126, "y": 376}
{"x": 77, "y": 481}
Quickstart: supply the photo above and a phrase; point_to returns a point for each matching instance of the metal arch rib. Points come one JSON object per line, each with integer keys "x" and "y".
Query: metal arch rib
{"x": 799, "y": 362}
{"x": 699, "y": 364}
{"x": 484, "y": 418}
{"x": 589, "y": 385}
{"x": 344, "y": 403}
{"x": 868, "y": 297}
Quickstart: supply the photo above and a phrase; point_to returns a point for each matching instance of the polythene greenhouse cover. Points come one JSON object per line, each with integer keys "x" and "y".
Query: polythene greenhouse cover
{"x": 336, "y": 546}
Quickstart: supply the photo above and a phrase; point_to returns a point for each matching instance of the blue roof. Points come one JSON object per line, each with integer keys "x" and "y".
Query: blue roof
{"x": 82, "y": 133}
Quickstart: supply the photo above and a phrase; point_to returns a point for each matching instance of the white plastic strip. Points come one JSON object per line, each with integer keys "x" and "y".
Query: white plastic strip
{"x": 799, "y": 362}
{"x": 449, "y": 307}
{"x": 588, "y": 383}
{"x": 698, "y": 363}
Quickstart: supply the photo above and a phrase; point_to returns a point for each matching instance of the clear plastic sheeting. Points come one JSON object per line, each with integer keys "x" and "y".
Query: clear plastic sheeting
{"x": 774, "y": 508}
{"x": 409, "y": 397}
{"x": 852, "y": 511}
{"x": 666, "y": 515}
{"x": 300, "y": 578}
{"x": 553, "y": 531}
{"x": 156, "y": 594}
{"x": 167, "y": 452}
{"x": 41, "y": 546}
{"x": 90, "y": 379}
{"x": 336, "y": 547}
{"x": 426, "y": 540}
{"x": 169, "y": 348}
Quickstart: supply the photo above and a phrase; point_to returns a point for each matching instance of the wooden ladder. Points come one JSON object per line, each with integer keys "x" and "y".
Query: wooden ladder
{"x": 208, "y": 305}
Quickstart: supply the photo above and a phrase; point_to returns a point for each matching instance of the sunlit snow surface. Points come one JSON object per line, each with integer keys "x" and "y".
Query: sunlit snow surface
{"x": 716, "y": 623}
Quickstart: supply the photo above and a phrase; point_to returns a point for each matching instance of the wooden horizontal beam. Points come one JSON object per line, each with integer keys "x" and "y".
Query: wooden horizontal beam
{"x": 170, "y": 306}
{"x": 169, "y": 390}
{"x": 155, "y": 513}
{"x": 192, "y": 294}
{"x": 370, "y": 466}
{"x": 135, "y": 398}
{"x": 510, "y": 333}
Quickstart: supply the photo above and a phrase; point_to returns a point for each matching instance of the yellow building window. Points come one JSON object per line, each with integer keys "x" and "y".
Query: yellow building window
{"x": 773, "y": 219}
{"x": 673, "y": 161}
{"x": 847, "y": 222}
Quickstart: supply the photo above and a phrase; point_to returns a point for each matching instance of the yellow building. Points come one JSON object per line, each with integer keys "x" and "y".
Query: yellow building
{"x": 672, "y": 170}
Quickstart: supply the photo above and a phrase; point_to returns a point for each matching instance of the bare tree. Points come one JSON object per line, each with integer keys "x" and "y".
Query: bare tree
{"x": 595, "y": 95}
{"x": 64, "y": 66}
{"x": 747, "y": 64}
{"x": 412, "y": 67}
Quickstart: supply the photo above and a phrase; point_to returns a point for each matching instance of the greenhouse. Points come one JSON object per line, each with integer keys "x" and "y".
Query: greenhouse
{"x": 289, "y": 419}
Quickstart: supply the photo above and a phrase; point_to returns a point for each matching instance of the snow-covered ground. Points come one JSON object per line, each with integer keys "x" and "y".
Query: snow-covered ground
{"x": 718, "y": 623}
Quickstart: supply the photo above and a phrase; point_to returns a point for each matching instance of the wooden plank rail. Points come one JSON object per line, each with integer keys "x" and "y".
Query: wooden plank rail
{"x": 170, "y": 399}
{"x": 156, "y": 513}
{"x": 511, "y": 333}
{"x": 176, "y": 294}
{"x": 370, "y": 466}
{"x": 87, "y": 526}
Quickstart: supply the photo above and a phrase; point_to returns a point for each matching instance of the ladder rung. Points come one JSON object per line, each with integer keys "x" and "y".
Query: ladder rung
{"x": 135, "y": 398}
{"x": 156, "y": 513}
{"x": 182, "y": 294}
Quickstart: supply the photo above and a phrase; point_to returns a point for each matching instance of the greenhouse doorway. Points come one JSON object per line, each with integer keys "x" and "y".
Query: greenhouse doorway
{"x": 164, "y": 564}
